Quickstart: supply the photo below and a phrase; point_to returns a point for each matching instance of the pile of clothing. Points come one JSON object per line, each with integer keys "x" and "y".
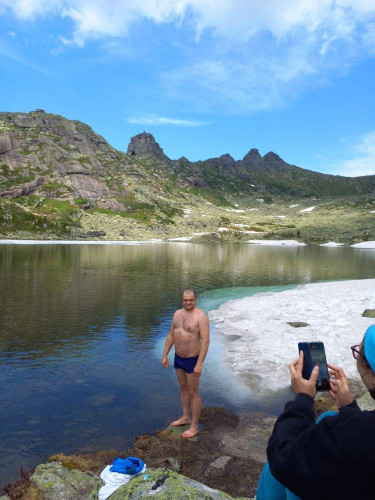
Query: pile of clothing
{"x": 119, "y": 473}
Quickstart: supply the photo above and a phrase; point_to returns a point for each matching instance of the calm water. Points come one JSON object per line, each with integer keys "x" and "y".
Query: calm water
{"x": 82, "y": 329}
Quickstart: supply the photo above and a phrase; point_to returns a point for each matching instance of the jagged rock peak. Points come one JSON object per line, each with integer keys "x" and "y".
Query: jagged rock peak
{"x": 273, "y": 158}
{"x": 252, "y": 156}
{"x": 144, "y": 144}
{"x": 227, "y": 160}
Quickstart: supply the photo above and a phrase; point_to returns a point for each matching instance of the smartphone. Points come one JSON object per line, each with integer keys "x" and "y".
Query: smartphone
{"x": 314, "y": 354}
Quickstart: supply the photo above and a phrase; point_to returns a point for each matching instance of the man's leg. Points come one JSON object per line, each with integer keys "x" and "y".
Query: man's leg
{"x": 196, "y": 404}
{"x": 185, "y": 399}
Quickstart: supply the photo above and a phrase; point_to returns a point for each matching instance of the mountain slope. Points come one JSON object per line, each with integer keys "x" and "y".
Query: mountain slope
{"x": 59, "y": 178}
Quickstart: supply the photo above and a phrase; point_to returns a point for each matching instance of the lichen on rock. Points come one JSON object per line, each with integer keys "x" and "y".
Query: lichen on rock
{"x": 57, "y": 482}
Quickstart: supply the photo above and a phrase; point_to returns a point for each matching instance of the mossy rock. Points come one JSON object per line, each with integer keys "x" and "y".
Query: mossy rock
{"x": 165, "y": 484}
{"x": 369, "y": 313}
{"x": 298, "y": 324}
{"x": 57, "y": 482}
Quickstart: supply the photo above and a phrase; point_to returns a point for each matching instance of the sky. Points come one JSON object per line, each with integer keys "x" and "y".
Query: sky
{"x": 205, "y": 77}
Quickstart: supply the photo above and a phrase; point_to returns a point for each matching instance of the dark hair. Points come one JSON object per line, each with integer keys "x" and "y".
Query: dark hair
{"x": 189, "y": 290}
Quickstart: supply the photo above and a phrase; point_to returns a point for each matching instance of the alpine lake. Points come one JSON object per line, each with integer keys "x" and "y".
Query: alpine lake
{"x": 82, "y": 329}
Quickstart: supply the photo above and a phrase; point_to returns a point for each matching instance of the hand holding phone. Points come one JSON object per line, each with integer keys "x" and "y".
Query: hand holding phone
{"x": 299, "y": 383}
{"x": 314, "y": 354}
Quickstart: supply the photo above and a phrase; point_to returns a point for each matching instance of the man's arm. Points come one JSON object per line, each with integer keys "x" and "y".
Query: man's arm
{"x": 168, "y": 345}
{"x": 204, "y": 331}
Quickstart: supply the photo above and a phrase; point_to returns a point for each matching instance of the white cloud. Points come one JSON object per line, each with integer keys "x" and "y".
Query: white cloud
{"x": 227, "y": 18}
{"x": 163, "y": 120}
{"x": 363, "y": 160}
{"x": 243, "y": 54}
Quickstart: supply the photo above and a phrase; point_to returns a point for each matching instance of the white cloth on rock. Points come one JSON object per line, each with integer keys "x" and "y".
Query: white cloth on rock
{"x": 113, "y": 481}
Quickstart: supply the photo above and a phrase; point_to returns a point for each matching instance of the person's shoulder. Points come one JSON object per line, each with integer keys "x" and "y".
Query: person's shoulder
{"x": 177, "y": 313}
{"x": 201, "y": 313}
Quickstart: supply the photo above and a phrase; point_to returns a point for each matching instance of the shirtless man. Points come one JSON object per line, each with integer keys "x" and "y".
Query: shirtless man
{"x": 190, "y": 335}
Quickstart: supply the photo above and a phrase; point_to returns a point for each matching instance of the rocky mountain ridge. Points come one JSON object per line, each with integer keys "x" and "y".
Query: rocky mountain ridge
{"x": 57, "y": 175}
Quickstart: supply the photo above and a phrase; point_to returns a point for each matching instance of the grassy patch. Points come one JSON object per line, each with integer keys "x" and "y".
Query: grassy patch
{"x": 83, "y": 160}
{"x": 13, "y": 217}
{"x": 5, "y": 169}
{"x": 16, "y": 176}
{"x": 53, "y": 187}
{"x": 51, "y": 206}
{"x": 81, "y": 201}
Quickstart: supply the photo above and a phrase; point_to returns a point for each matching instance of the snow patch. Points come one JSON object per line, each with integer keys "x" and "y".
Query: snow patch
{"x": 307, "y": 210}
{"x": 364, "y": 244}
{"x": 331, "y": 244}
{"x": 289, "y": 243}
{"x": 265, "y": 343}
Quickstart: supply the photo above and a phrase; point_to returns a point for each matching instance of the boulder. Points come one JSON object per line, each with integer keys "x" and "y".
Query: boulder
{"x": 369, "y": 313}
{"x": 166, "y": 484}
{"x": 297, "y": 324}
{"x": 57, "y": 482}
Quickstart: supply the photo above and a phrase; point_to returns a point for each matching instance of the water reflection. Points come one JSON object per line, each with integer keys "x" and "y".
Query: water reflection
{"x": 79, "y": 326}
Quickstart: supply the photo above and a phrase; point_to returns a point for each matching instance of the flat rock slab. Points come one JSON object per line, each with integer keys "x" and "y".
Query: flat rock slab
{"x": 249, "y": 439}
{"x": 57, "y": 482}
{"x": 167, "y": 485}
{"x": 180, "y": 429}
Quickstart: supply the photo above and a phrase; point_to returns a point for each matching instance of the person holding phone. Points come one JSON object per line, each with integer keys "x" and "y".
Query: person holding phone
{"x": 334, "y": 458}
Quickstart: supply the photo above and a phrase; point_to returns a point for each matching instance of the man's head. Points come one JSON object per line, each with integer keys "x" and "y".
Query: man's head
{"x": 189, "y": 299}
{"x": 366, "y": 362}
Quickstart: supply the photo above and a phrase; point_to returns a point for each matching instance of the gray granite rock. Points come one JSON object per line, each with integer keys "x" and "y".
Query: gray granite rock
{"x": 218, "y": 465}
{"x": 57, "y": 482}
{"x": 167, "y": 485}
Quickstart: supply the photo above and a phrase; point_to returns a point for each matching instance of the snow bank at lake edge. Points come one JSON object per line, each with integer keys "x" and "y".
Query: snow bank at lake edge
{"x": 260, "y": 342}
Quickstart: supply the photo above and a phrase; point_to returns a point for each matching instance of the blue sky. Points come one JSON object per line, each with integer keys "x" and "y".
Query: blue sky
{"x": 205, "y": 77}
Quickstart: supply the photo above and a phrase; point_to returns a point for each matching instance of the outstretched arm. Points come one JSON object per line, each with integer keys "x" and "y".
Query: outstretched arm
{"x": 204, "y": 329}
{"x": 168, "y": 345}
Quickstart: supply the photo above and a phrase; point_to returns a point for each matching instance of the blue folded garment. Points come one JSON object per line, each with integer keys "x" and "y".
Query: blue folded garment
{"x": 129, "y": 465}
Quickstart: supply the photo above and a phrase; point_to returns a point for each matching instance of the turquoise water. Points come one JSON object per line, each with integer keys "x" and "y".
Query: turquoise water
{"x": 82, "y": 329}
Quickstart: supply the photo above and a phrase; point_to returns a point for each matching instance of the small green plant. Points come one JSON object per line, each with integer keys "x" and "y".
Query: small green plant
{"x": 83, "y": 160}
{"x": 53, "y": 186}
{"x": 81, "y": 201}
{"x": 5, "y": 169}
{"x": 224, "y": 221}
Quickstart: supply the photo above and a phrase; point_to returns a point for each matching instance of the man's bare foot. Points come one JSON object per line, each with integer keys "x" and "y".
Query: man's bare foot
{"x": 190, "y": 433}
{"x": 181, "y": 421}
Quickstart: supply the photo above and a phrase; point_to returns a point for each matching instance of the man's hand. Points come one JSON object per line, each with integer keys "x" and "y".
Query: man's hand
{"x": 165, "y": 362}
{"x": 339, "y": 386}
{"x": 197, "y": 370}
{"x": 300, "y": 384}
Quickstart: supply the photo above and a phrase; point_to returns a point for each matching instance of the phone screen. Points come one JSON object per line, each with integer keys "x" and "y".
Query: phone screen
{"x": 318, "y": 357}
{"x": 314, "y": 355}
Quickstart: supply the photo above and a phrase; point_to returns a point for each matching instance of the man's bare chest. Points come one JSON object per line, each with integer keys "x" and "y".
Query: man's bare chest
{"x": 189, "y": 324}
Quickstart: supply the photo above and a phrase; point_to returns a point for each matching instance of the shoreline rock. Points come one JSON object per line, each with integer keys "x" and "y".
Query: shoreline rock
{"x": 223, "y": 463}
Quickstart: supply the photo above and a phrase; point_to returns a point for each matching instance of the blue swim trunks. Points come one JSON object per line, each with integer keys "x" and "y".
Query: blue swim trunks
{"x": 186, "y": 364}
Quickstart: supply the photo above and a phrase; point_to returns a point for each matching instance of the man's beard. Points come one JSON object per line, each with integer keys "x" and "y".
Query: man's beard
{"x": 372, "y": 393}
